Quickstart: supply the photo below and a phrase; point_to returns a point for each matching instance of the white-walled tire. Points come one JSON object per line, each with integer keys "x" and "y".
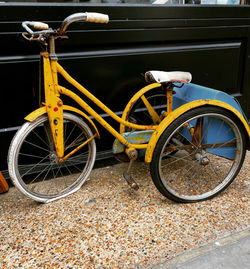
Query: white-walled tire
{"x": 32, "y": 159}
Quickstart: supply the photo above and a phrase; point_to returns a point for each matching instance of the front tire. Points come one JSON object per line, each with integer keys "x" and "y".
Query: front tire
{"x": 33, "y": 164}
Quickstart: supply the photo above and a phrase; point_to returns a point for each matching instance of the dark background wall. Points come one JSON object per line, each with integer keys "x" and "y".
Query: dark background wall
{"x": 211, "y": 42}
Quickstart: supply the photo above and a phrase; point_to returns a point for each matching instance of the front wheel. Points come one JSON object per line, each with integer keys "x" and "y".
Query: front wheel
{"x": 33, "y": 164}
{"x": 210, "y": 147}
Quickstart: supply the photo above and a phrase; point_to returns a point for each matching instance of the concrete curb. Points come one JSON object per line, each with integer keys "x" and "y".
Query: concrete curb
{"x": 192, "y": 254}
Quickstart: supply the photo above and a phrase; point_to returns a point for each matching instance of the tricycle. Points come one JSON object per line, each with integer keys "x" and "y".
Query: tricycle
{"x": 194, "y": 138}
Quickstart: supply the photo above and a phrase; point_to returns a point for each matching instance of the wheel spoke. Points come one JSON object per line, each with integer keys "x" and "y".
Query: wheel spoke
{"x": 40, "y": 138}
{"x": 178, "y": 159}
{"x": 40, "y": 173}
{"x": 66, "y": 140}
{"x": 42, "y": 176}
{"x": 76, "y": 142}
{"x": 221, "y": 146}
{"x": 27, "y": 172}
{"x": 188, "y": 141}
{"x": 33, "y": 156}
{"x": 199, "y": 169}
{"x": 36, "y": 146}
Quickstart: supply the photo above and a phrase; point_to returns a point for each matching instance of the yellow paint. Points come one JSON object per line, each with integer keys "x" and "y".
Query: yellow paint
{"x": 134, "y": 99}
{"x": 155, "y": 117}
{"x": 54, "y": 107}
{"x": 70, "y": 108}
{"x": 79, "y": 147}
{"x": 181, "y": 110}
{"x": 42, "y": 110}
{"x": 54, "y": 73}
{"x": 53, "y": 104}
{"x": 137, "y": 137}
{"x": 96, "y": 101}
{"x": 36, "y": 113}
{"x": 108, "y": 127}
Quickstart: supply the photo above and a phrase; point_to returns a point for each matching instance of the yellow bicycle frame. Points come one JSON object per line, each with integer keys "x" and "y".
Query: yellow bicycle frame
{"x": 54, "y": 107}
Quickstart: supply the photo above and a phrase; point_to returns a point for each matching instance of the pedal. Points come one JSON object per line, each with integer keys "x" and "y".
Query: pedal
{"x": 132, "y": 154}
{"x": 131, "y": 182}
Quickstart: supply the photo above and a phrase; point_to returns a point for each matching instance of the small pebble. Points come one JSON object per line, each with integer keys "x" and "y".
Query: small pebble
{"x": 107, "y": 225}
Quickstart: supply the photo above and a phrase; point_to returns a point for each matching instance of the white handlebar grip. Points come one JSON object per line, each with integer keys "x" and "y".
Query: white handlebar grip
{"x": 39, "y": 25}
{"x": 97, "y": 17}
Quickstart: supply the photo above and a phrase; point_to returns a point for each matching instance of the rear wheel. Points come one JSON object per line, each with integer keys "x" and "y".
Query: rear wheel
{"x": 210, "y": 148}
{"x": 33, "y": 164}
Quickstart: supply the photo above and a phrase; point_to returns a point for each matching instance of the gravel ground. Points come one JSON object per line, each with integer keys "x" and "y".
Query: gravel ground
{"x": 108, "y": 225}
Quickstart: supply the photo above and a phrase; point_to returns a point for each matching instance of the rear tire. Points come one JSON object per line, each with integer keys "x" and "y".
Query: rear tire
{"x": 199, "y": 171}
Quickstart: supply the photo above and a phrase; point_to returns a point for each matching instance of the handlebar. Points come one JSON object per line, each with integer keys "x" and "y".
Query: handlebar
{"x": 87, "y": 16}
{"x": 43, "y": 28}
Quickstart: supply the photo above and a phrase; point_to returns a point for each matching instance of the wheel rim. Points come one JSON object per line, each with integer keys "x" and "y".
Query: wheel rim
{"x": 37, "y": 170}
{"x": 200, "y": 169}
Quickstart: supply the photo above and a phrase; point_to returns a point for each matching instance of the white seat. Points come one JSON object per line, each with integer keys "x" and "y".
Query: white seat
{"x": 161, "y": 76}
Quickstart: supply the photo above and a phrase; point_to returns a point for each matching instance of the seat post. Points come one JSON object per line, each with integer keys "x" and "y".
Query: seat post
{"x": 169, "y": 87}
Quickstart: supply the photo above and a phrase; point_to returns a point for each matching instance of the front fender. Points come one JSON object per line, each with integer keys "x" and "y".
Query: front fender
{"x": 42, "y": 110}
{"x": 181, "y": 110}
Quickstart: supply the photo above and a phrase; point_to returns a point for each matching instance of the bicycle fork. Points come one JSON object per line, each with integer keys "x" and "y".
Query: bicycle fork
{"x": 54, "y": 108}
{"x": 54, "y": 104}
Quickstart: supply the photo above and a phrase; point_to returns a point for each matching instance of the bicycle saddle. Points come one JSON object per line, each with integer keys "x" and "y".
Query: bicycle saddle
{"x": 162, "y": 77}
